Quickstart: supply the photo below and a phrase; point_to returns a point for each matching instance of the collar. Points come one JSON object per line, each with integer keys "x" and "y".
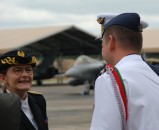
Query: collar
{"x": 24, "y": 102}
{"x": 128, "y": 58}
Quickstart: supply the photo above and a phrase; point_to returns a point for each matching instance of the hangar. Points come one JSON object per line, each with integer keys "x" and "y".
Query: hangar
{"x": 66, "y": 39}
{"x": 62, "y": 40}
{"x": 49, "y": 43}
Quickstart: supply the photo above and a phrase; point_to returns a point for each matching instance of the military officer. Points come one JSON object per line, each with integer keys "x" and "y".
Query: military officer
{"x": 16, "y": 73}
{"x": 126, "y": 95}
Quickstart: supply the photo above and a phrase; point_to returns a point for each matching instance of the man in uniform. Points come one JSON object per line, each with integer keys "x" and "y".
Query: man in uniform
{"x": 126, "y": 95}
{"x": 16, "y": 73}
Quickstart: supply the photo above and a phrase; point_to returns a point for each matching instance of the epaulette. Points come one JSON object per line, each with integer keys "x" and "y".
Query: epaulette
{"x": 102, "y": 72}
{"x": 34, "y": 92}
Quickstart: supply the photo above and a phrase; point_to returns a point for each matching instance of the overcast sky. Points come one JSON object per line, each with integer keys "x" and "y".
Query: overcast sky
{"x": 81, "y": 13}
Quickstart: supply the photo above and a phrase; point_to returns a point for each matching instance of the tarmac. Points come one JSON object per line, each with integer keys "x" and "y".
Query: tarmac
{"x": 67, "y": 109}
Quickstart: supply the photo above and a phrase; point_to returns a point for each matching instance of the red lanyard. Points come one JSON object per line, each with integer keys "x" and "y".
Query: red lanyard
{"x": 117, "y": 79}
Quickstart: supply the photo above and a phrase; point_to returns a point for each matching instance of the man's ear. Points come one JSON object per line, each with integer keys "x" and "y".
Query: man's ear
{"x": 112, "y": 43}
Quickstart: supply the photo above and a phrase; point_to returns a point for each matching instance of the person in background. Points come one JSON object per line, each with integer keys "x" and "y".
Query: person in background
{"x": 10, "y": 113}
{"x": 126, "y": 94}
{"x": 16, "y": 73}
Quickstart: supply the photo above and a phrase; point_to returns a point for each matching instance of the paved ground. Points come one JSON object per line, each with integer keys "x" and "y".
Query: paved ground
{"x": 67, "y": 108}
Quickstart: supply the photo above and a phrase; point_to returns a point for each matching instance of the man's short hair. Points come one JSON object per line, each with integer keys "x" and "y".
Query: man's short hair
{"x": 127, "y": 38}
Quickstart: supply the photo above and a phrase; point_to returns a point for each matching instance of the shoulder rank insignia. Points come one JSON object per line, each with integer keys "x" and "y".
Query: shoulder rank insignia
{"x": 34, "y": 92}
{"x": 102, "y": 72}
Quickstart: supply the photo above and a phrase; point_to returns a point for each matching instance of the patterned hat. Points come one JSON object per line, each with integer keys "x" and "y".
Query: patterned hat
{"x": 16, "y": 57}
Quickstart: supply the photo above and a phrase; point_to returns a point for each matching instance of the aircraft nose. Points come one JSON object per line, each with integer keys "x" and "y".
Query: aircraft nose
{"x": 71, "y": 72}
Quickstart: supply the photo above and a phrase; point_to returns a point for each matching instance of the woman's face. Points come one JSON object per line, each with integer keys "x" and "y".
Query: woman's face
{"x": 18, "y": 78}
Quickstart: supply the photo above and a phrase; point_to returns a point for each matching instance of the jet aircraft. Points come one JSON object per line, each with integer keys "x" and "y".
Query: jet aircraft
{"x": 45, "y": 69}
{"x": 84, "y": 71}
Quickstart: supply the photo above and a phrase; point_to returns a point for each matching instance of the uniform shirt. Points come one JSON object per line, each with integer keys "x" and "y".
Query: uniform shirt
{"x": 142, "y": 89}
{"x": 26, "y": 109}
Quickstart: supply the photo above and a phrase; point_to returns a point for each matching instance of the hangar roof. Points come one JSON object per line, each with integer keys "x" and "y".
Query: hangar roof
{"x": 63, "y": 40}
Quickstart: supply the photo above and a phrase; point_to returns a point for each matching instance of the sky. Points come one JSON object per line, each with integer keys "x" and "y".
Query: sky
{"x": 81, "y": 13}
